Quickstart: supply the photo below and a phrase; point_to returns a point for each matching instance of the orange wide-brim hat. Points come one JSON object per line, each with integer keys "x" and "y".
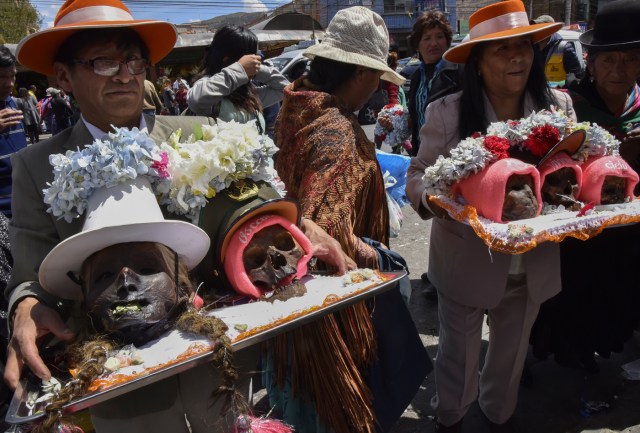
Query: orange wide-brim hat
{"x": 501, "y": 20}
{"x": 38, "y": 51}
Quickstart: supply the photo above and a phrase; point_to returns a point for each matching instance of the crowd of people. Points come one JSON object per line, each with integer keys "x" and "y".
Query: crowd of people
{"x": 367, "y": 359}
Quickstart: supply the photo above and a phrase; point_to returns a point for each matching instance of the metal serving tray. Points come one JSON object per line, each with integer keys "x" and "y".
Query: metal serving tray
{"x": 19, "y": 411}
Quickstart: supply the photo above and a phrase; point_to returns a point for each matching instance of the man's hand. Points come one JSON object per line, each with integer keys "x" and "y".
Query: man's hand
{"x": 327, "y": 248}
{"x": 32, "y": 320}
{"x": 9, "y": 117}
{"x": 251, "y": 64}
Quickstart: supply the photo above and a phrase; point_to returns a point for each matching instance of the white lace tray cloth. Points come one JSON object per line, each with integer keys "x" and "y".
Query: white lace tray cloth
{"x": 521, "y": 236}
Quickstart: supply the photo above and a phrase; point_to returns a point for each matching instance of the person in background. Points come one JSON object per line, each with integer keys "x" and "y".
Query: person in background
{"x": 561, "y": 63}
{"x": 46, "y": 113}
{"x": 227, "y": 89}
{"x": 395, "y": 96}
{"x": 151, "y": 104}
{"x": 392, "y": 89}
{"x": 431, "y": 37}
{"x": 169, "y": 98}
{"x": 33, "y": 91}
{"x": 75, "y": 108}
{"x": 327, "y": 163}
{"x": 62, "y": 112}
{"x": 597, "y": 310}
{"x": 181, "y": 97}
{"x": 269, "y": 113}
{"x": 179, "y": 80}
{"x": 12, "y": 135}
{"x": 502, "y": 80}
{"x": 30, "y": 115}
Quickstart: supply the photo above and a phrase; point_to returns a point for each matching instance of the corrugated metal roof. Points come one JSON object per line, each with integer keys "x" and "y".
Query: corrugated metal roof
{"x": 264, "y": 36}
{"x": 288, "y": 21}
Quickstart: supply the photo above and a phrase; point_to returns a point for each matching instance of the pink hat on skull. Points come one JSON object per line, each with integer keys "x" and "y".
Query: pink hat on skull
{"x": 596, "y": 169}
{"x": 558, "y": 161}
{"x": 233, "y": 262}
{"x": 486, "y": 190}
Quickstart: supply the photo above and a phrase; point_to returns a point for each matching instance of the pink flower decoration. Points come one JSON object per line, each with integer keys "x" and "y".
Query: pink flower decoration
{"x": 161, "y": 166}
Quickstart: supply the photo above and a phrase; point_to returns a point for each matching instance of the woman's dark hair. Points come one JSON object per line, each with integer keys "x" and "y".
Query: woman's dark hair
{"x": 124, "y": 38}
{"x": 392, "y": 60}
{"x": 472, "y": 115}
{"x": 427, "y": 21}
{"x": 329, "y": 75}
{"x": 6, "y": 58}
{"x": 229, "y": 44}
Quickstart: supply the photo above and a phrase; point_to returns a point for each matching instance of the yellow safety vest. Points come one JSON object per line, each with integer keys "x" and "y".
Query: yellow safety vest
{"x": 554, "y": 68}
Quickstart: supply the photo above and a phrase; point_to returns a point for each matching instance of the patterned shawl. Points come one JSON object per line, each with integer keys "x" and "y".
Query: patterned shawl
{"x": 328, "y": 165}
{"x": 590, "y": 107}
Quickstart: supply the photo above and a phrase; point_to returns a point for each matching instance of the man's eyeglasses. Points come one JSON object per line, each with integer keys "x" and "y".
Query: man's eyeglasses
{"x": 109, "y": 67}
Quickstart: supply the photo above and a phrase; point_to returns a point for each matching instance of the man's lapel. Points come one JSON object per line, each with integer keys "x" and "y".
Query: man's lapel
{"x": 79, "y": 137}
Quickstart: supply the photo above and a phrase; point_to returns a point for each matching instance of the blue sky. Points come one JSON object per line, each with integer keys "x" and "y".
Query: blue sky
{"x": 173, "y": 11}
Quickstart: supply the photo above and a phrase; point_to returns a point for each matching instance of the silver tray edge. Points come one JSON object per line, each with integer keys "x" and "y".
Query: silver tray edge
{"x": 18, "y": 402}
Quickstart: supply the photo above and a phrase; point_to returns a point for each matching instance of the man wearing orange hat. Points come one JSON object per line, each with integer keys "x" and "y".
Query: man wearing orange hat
{"x": 100, "y": 54}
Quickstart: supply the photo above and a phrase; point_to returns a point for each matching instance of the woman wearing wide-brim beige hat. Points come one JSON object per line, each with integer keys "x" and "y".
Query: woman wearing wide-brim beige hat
{"x": 357, "y": 36}
{"x": 329, "y": 165}
{"x": 500, "y": 20}
{"x": 38, "y": 51}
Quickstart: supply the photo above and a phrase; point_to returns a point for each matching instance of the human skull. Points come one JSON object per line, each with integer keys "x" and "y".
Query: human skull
{"x": 613, "y": 190}
{"x": 519, "y": 199}
{"x": 560, "y": 188}
{"x": 271, "y": 256}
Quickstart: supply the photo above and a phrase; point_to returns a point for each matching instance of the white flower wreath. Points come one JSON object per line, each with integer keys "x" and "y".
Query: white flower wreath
{"x": 124, "y": 155}
{"x": 210, "y": 160}
{"x": 184, "y": 176}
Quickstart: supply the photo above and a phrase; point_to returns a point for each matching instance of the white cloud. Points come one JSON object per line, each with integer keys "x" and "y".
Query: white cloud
{"x": 253, "y": 6}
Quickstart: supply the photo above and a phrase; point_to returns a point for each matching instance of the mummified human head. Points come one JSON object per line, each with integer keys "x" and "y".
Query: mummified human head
{"x": 132, "y": 292}
{"x": 520, "y": 201}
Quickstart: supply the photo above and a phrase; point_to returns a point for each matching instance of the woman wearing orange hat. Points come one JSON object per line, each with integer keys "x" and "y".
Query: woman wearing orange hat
{"x": 502, "y": 80}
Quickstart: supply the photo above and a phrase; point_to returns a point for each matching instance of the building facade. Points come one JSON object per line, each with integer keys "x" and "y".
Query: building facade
{"x": 399, "y": 15}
